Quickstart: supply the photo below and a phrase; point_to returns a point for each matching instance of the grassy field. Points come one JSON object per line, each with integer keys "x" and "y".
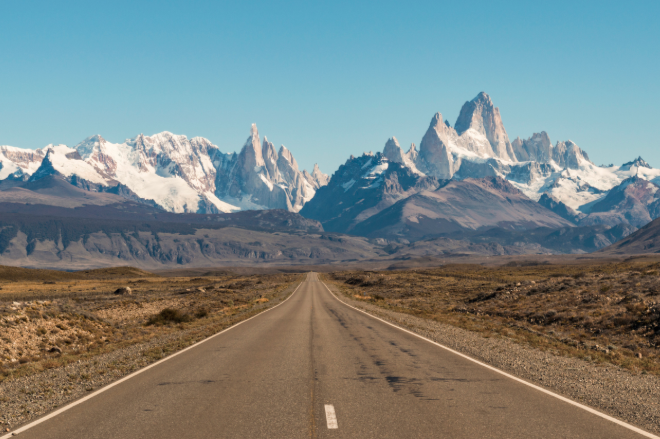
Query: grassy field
{"x": 51, "y": 318}
{"x": 601, "y": 312}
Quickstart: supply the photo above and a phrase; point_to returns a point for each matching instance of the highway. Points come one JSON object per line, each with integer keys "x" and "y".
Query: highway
{"x": 314, "y": 367}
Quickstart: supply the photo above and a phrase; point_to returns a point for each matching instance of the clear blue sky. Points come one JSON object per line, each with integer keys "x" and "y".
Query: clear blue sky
{"x": 329, "y": 79}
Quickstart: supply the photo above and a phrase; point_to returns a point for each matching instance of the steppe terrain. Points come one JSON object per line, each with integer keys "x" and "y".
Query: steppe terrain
{"x": 601, "y": 311}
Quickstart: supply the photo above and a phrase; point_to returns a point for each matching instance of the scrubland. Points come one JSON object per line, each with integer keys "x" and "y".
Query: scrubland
{"x": 600, "y": 312}
{"x": 50, "y": 319}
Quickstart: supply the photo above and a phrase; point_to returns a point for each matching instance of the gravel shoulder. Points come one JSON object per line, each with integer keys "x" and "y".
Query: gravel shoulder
{"x": 630, "y": 397}
{"x": 27, "y": 398}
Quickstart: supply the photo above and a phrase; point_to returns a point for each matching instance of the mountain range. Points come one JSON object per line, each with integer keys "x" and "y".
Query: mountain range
{"x": 471, "y": 176}
{"x": 172, "y": 172}
{"x": 467, "y": 188}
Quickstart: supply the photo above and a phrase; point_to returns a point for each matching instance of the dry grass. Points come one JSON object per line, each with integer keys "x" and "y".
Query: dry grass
{"x": 49, "y": 323}
{"x": 606, "y": 313}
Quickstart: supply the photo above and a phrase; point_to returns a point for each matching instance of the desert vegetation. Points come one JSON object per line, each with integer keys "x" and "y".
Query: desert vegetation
{"x": 49, "y": 319}
{"x": 606, "y": 313}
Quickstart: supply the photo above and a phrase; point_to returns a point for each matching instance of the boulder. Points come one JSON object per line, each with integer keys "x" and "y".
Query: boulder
{"x": 123, "y": 290}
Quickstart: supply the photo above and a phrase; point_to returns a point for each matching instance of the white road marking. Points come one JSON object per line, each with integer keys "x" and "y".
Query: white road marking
{"x": 331, "y": 416}
{"x": 109, "y": 386}
{"x": 541, "y": 389}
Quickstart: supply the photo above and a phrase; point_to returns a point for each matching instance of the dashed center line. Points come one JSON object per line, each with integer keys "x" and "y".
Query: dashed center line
{"x": 331, "y": 416}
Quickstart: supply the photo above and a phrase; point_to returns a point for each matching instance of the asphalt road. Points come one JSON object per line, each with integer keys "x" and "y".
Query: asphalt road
{"x": 276, "y": 376}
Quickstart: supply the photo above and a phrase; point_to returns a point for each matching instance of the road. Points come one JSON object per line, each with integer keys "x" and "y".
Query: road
{"x": 275, "y": 375}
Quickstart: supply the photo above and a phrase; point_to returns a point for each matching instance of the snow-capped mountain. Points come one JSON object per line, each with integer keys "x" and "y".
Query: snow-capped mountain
{"x": 561, "y": 177}
{"x": 174, "y": 172}
{"x": 193, "y": 175}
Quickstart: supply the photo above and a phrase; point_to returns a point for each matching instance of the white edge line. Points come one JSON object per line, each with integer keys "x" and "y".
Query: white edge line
{"x": 127, "y": 377}
{"x": 541, "y": 389}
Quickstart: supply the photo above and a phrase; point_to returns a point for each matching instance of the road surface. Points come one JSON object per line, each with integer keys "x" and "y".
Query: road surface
{"x": 316, "y": 368}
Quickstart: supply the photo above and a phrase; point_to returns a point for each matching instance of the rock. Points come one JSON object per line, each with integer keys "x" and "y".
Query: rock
{"x": 55, "y": 350}
{"x": 639, "y": 355}
{"x": 123, "y": 290}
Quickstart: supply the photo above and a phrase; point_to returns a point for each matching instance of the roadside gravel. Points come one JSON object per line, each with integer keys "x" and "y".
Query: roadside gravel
{"x": 24, "y": 399}
{"x": 633, "y": 398}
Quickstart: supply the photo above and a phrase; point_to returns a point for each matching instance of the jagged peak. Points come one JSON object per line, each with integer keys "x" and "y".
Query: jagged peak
{"x": 412, "y": 148}
{"x": 638, "y": 162}
{"x": 285, "y": 154}
{"x": 480, "y": 105}
{"x": 253, "y": 130}
{"x": 436, "y": 121}
{"x": 393, "y": 142}
{"x": 542, "y": 135}
{"x": 483, "y": 97}
{"x": 392, "y": 150}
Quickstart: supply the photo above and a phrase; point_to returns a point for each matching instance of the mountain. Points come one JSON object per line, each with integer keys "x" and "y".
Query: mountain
{"x": 560, "y": 177}
{"x": 644, "y": 241}
{"x": 173, "y": 172}
{"x": 561, "y": 209}
{"x": 635, "y": 201}
{"x": 364, "y": 186}
{"x": 460, "y": 205}
{"x": 443, "y": 181}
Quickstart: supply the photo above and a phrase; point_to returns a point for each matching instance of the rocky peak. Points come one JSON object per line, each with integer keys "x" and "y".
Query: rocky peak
{"x": 435, "y": 150}
{"x": 320, "y": 176}
{"x": 480, "y": 115}
{"x": 270, "y": 159}
{"x": 46, "y": 168}
{"x": 537, "y": 148}
{"x": 568, "y": 155}
{"x": 286, "y": 157}
{"x": 412, "y": 153}
{"x": 88, "y": 146}
{"x": 393, "y": 152}
{"x": 251, "y": 156}
{"x": 317, "y": 178}
{"x": 639, "y": 162}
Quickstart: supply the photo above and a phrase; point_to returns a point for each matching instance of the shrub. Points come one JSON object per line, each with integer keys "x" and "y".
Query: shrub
{"x": 169, "y": 315}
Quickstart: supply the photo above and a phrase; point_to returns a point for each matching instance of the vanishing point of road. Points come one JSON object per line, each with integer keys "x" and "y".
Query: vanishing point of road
{"x": 314, "y": 367}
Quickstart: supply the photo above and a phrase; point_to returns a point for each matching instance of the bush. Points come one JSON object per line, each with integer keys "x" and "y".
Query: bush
{"x": 169, "y": 315}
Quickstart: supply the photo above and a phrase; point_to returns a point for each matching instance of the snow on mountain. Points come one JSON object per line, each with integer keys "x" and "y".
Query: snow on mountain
{"x": 177, "y": 173}
{"x": 478, "y": 146}
{"x": 65, "y": 161}
{"x": 560, "y": 176}
{"x": 17, "y": 162}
